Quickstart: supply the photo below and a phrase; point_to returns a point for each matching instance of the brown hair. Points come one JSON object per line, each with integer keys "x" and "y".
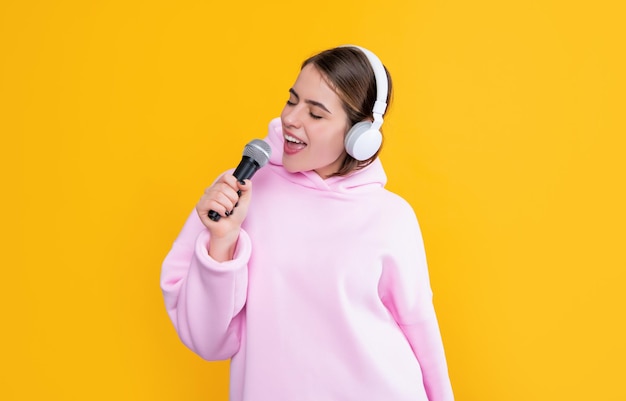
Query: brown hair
{"x": 349, "y": 73}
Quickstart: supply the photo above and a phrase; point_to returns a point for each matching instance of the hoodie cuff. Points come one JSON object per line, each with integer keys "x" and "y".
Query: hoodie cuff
{"x": 240, "y": 259}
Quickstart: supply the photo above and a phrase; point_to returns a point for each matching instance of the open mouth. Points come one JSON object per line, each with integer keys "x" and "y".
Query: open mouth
{"x": 293, "y": 140}
{"x": 292, "y": 144}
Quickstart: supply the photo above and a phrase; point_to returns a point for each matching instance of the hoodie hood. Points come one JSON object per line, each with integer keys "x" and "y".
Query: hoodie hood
{"x": 367, "y": 179}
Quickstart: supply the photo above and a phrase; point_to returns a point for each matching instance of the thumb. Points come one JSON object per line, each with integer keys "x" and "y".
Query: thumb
{"x": 245, "y": 193}
{"x": 245, "y": 189}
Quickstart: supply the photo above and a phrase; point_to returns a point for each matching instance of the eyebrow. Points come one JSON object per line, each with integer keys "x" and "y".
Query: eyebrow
{"x": 311, "y": 102}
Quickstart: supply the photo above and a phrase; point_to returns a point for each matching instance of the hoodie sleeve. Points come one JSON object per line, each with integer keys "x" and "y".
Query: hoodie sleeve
{"x": 405, "y": 290}
{"x": 204, "y": 298}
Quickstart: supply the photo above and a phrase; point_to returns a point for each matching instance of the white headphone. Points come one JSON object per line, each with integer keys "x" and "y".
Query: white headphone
{"x": 364, "y": 138}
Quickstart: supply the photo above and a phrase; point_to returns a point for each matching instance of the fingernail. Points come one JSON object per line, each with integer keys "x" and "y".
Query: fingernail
{"x": 227, "y": 213}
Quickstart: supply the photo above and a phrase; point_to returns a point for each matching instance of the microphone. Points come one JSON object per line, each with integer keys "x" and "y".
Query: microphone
{"x": 256, "y": 154}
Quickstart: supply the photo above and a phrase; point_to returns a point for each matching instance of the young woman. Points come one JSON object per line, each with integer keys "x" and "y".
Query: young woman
{"x": 316, "y": 287}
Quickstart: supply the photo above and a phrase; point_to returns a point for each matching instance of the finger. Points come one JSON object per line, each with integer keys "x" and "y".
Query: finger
{"x": 222, "y": 191}
{"x": 214, "y": 203}
{"x": 244, "y": 191}
{"x": 232, "y": 181}
{"x": 210, "y": 210}
{"x": 244, "y": 187}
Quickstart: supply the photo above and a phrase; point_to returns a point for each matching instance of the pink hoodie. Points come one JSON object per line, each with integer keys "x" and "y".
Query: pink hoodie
{"x": 327, "y": 297}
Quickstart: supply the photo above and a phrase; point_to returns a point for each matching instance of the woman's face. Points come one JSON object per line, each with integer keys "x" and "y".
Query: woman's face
{"x": 314, "y": 125}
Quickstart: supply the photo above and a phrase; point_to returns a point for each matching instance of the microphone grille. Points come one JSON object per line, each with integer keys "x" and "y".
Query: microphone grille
{"x": 259, "y": 151}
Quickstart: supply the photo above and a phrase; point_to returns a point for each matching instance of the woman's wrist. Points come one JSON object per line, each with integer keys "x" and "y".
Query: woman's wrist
{"x": 222, "y": 249}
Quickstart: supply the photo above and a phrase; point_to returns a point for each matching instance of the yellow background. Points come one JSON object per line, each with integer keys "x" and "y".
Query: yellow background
{"x": 506, "y": 135}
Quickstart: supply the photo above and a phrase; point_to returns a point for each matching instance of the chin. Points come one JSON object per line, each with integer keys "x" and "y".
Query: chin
{"x": 289, "y": 167}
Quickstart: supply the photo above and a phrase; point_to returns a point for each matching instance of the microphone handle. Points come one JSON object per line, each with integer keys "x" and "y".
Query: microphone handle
{"x": 246, "y": 168}
{"x": 244, "y": 171}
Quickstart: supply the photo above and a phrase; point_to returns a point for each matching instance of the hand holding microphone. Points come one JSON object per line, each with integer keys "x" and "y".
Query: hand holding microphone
{"x": 221, "y": 198}
{"x": 226, "y": 193}
{"x": 255, "y": 155}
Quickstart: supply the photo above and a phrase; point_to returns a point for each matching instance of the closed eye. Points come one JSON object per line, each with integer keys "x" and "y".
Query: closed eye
{"x": 294, "y": 99}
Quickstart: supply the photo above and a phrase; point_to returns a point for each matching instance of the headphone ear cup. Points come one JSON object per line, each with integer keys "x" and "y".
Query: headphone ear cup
{"x": 363, "y": 141}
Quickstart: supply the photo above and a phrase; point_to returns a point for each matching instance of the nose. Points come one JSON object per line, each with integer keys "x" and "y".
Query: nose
{"x": 291, "y": 116}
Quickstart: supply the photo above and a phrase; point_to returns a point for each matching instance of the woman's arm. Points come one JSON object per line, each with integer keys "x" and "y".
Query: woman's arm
{"x": 203, "y": 297}
{"x": 405, "y": 290}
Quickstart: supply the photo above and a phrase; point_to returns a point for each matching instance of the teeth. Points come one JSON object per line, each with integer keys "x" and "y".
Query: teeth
{"x": 292, "y": 139}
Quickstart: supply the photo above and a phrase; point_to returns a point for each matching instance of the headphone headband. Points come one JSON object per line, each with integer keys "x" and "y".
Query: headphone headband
{"x": 364, "y": 138}
{"x": 382, "y": 85}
